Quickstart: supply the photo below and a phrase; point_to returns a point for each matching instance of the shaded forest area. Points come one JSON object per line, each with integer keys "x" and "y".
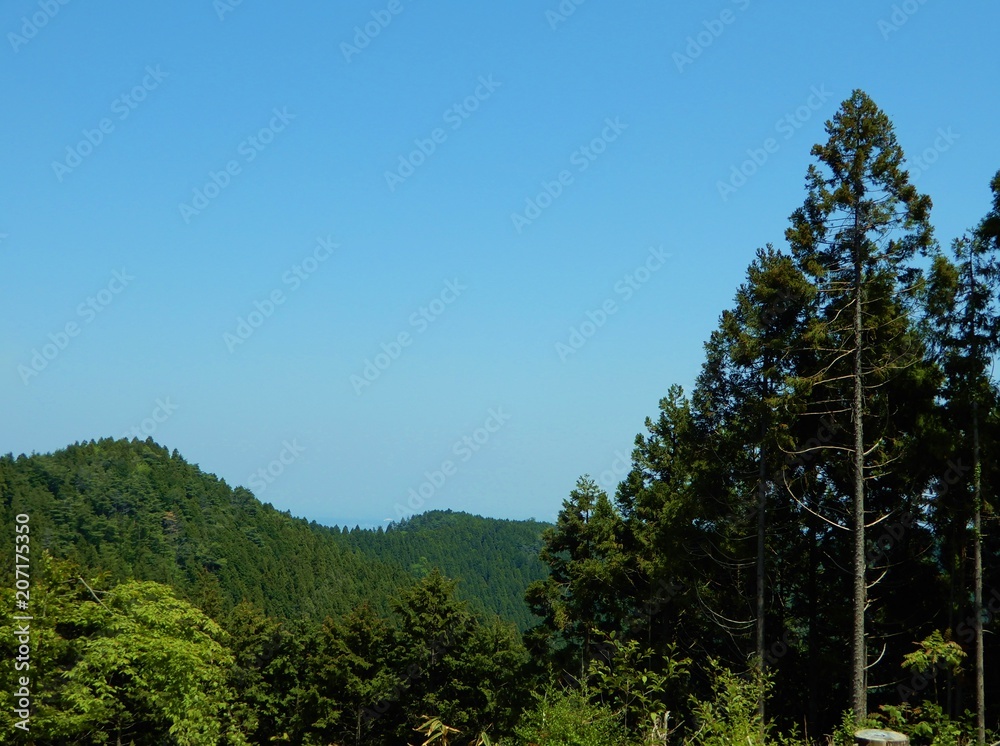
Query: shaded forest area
{"x": 805, "y": 543}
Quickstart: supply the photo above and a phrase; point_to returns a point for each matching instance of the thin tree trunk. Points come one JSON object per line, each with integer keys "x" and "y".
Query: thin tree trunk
{"x": 761, "y": 532}
{"x": 761, "y": 528}
{"x": 813, "y": 621}
{"x": 977, "y": 500}
{"x": 859, "y": 693}
{"x": 977, "y": 550}
{"x": 956, "y": 578}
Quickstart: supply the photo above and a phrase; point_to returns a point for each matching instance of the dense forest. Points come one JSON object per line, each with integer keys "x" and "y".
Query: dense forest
{"x": 496, "y": 560}
{"x": 805, "y": 543}
{"x": 136, "y": 511}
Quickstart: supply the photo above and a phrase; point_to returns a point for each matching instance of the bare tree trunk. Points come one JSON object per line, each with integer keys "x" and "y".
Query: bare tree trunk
{"x": 977, "y": 501}
{"x": 813, "y": 621}
{"x": 859, "y": 694}
{"x": 977, "y": 550}
{"x": 761, "y": 528}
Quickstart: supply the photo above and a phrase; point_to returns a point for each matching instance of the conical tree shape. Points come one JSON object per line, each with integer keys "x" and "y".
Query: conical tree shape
{"x": 861, "y": 222}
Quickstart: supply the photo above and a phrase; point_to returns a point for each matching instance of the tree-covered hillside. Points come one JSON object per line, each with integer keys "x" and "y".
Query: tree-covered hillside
{"x": 138, "y": 512}
{"x": 496, "y": 560}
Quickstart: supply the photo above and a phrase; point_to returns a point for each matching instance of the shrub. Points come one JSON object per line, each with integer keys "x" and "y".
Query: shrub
{"x": 731, "y": 717}
{"x": 566, "y": 717}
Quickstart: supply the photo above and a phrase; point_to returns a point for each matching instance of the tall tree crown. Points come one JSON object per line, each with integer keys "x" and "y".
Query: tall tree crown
{"x": 861, "y": 205}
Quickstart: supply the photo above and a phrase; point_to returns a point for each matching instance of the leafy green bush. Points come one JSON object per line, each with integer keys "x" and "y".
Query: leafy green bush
{"x": 844, "y": 735}
{"x": 626, "y": 682}
{"x": 732, "y": 716}
{"x": 566, "y": 717}
{"x": 929, "y": 725}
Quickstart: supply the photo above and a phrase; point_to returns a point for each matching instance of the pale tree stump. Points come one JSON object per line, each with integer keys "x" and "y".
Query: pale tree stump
{"x": 872, "y": 737}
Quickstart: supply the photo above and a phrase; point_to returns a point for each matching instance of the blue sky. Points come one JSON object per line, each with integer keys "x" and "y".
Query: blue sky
{"x": 371, "y": 257}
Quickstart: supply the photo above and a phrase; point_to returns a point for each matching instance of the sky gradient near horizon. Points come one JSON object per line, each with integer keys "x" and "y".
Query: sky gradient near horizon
{"x": 343, "y": 254}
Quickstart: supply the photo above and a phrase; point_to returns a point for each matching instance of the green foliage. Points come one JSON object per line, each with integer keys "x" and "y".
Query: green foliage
{"x": 352, "y": 670}
{"x": 849, "y": 725}
{"x": 842, "y": 391}
{"x": 133, "y": 663}
{"x": 567, "y": 717}
{"x": 146, "y": 651}
{"x": 929, "y": 725}
{"x": 581, "y": 596}
{"x": 267, "y": 656}
{"x": 936, "y": 653}
{"x": 138, "y": 512}
{"x": 624, "y": 681}
{"x": 496, "y": 560}
{"x": 449, "y": 665}
{"x": 731, "y": 716}
{"x": 436, "y": 731}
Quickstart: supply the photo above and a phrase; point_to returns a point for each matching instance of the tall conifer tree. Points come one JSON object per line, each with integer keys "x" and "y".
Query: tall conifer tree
{"x": 967, "y": 316}
{"x": 860, "y": 225}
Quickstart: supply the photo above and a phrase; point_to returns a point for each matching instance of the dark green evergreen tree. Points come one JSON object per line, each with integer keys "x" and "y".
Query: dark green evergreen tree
{"x": 581, "y": 596}
{"x": 965, "y": 310}
{"x": 738, "y": 412}
{"x": 861, "y": 225}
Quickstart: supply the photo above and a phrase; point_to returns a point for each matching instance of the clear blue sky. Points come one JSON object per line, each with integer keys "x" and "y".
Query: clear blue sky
{"x": 303, "y": 120}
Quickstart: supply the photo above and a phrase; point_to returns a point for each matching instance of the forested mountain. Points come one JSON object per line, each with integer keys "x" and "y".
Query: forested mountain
{"x": 138, "y": 512}
{"x": 495, "y": 560}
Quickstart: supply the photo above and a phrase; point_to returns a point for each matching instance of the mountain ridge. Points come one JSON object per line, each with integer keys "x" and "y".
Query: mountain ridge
{"x": 135, "y": 510}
